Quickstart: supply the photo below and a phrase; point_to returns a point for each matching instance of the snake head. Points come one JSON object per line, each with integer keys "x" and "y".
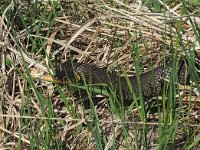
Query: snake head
{"x": 66, "y": 72}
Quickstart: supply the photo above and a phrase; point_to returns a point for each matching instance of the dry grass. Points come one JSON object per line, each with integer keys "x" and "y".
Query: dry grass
{"x": 93, "y": 32}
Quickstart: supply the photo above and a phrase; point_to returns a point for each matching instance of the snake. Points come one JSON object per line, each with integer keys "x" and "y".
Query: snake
{"x": 150, "y": 82}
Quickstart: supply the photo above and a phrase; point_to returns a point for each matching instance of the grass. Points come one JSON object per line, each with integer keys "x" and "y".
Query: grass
{"x": 38, "y": 114}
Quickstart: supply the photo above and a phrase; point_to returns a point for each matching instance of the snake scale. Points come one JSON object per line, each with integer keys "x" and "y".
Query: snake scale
{"x": 151, "y": 81}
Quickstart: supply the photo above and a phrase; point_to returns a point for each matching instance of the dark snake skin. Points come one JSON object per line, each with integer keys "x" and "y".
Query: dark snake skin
{"x": 151, "y": 81}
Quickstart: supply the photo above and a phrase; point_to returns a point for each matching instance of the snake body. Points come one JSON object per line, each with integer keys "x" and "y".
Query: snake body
{"x": 151, "y": 81}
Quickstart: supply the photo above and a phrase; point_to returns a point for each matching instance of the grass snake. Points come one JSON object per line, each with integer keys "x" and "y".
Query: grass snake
{"x": 151, "y": 81}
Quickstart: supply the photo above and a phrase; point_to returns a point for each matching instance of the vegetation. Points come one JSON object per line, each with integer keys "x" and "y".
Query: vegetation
{"x": 37, "y": 113}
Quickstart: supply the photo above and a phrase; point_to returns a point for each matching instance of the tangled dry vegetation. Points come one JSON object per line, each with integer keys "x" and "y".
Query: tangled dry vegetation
{"x": 90, "y": 32}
